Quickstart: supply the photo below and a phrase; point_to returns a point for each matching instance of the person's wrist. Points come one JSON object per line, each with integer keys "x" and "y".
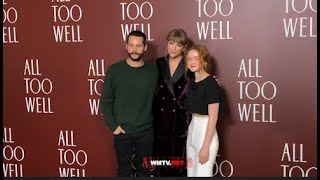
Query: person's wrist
{"x": 205, "y": 147}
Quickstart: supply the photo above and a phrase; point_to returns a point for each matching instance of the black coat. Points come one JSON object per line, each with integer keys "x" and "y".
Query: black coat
{"x": 171, "y": 117}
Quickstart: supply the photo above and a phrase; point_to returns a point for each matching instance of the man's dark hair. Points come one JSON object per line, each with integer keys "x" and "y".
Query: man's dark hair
{"x": 138, "y": 33}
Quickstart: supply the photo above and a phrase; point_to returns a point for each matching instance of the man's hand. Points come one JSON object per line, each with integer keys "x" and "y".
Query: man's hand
{"x": 118, "y": 131}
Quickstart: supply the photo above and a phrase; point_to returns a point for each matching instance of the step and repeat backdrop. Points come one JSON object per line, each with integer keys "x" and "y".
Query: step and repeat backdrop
{"x": 56, "y": 53}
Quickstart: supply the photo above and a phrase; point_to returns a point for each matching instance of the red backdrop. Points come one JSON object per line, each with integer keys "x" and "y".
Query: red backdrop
{"x": 56, "y": 54}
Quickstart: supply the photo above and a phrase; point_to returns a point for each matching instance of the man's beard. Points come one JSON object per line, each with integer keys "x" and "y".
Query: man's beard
{"x": 135, "y": 59}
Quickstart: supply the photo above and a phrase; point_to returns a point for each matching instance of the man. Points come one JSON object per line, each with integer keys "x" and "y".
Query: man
{"x": 126, "y": 104}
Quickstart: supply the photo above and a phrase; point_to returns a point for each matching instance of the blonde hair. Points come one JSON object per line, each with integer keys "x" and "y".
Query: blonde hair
{"x": 179, "y": 36}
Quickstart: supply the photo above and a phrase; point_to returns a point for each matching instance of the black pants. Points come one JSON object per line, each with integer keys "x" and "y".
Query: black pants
{"x": 140, "y": 144}
{"x": 170, "y": 148}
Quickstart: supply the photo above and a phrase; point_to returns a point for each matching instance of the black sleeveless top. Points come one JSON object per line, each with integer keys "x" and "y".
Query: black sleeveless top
{"x": 202, "y": 93}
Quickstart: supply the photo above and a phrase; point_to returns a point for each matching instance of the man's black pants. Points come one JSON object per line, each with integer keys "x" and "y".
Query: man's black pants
{"x": 142, "y": 144}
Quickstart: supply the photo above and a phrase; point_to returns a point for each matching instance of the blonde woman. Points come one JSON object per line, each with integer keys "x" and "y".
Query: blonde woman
{"x": 171, "y": 119}
{"x": 203, "y": 99}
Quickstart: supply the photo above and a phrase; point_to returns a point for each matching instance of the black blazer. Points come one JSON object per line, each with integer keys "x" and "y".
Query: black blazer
{"x": 171, "y": 117}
